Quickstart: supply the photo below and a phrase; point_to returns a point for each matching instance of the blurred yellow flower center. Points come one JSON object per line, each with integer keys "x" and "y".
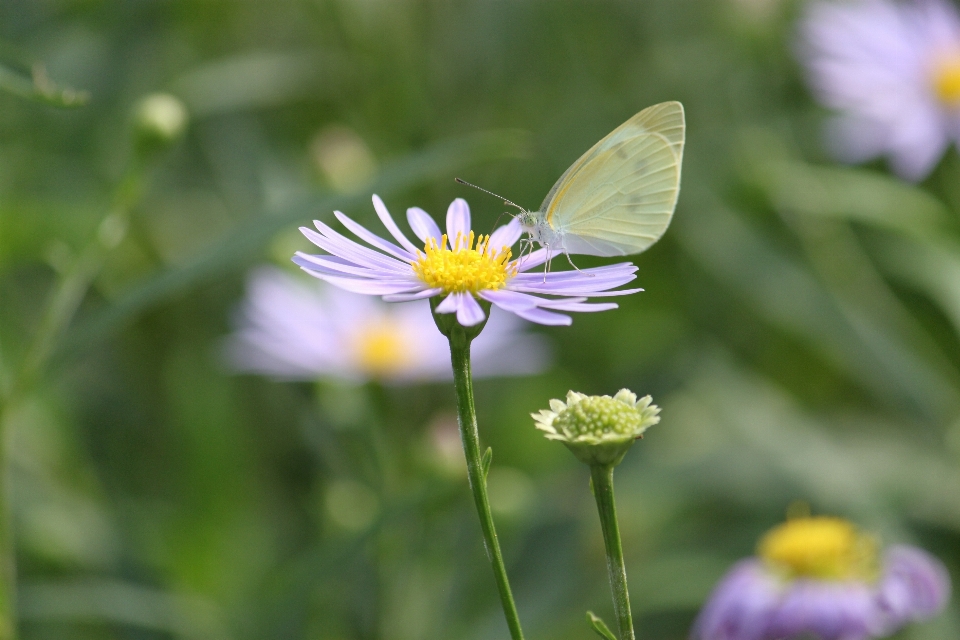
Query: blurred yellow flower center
{"x": 381, "y": 350}
{"x": 464, "y": 267}
{"x": 820, "y": 547}
{"x": 946, "y": 81}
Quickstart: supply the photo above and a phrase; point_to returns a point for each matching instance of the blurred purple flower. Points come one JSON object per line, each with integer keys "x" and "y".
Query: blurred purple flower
{"x": 297, "y": 331}
{"x": 818, "y": 577}
{"x": 461, "y": 271}
{"x": 893, "y": 71}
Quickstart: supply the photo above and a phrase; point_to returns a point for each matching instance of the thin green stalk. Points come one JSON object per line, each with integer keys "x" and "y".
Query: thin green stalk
{"x": 602, "y": 477}
{"x": 463, "y": 381}
{"x": 8, "y": 567}
{"x": 60, "y": 310}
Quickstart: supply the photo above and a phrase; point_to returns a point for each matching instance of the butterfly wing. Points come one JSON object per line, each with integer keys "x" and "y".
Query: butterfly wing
{"x": 619, "y": 197}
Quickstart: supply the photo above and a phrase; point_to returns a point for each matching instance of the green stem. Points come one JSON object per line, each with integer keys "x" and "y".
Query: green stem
{"x": 463, "y": 381}
{"x": 8, "y": 567}
{"x": 602, "y": 477}
{"x": 60, "y": 310}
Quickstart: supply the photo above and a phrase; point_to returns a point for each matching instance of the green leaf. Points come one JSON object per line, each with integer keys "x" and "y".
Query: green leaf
{"x": 40, "y": 88}
{"x": 600, "y": 627}
{"x": 869, "y": 197}
{"x": 856, "y": 194}
{"x": 485, "y": 461}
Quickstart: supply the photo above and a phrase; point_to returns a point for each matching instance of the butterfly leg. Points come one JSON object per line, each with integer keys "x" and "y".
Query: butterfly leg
{"x": 546, "y": 265}
{"x": 573, "y": 265}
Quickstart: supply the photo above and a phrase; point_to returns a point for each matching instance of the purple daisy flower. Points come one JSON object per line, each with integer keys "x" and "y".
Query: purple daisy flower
{"x": 459, "y": 266}
{"x": 291, "y": 330}
{"x": 819, "y": 577}
{"x": 893, "y": 71}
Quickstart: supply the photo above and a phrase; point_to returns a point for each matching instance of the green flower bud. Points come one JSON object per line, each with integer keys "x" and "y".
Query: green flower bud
{"x": 159, "y": 120}
{"x": 598, "y": 429}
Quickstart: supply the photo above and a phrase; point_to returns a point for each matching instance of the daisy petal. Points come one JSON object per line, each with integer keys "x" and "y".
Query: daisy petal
{"x": 564, "y": 305}
{"x": 391, "y": 226}
{"x": 531, "y": 260}
{"x": 331, "y": 241}
{"x": 458, "y": 220}
{"x": 407, "y": 297}
{"x": 469, "y": 312}
{"x": 545, "y": 317}
{"x": 323, "y": 264}
{"x": 512, "y": 300}
{"x": 369, "y": 287}
{"x": 449, "y": 304}
{"x": 423, "y": 225}
{"x": 373, "y": 239}
{"x": 505, "y": 236}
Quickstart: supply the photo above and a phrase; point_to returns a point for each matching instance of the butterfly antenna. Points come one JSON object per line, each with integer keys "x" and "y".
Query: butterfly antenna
{"x": 505, "y": 201}
{"x": 505, "y": 213}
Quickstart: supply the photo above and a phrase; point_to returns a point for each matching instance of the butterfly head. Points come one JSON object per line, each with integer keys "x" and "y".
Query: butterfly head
{"x": 527, "y": 220}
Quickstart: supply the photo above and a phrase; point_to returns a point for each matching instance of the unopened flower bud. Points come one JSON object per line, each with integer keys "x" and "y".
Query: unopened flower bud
{"x": 160, "y": 119}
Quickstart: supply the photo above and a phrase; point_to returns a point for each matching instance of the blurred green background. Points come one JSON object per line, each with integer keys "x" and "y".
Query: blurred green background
{"x": 799, "y": 327}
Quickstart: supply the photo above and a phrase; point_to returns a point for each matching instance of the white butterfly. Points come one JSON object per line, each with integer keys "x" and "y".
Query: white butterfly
{"x": 619, "y": 197}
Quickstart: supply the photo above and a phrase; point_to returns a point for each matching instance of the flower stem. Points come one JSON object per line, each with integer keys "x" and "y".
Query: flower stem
{"x": 463, "y": 381}
{"x": 602, "y": 477}
{"x": 59, "y": 312}
{"x": 8, "y": 567}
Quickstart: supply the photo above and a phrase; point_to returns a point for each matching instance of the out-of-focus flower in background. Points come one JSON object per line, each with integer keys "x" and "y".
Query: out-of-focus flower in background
{"x": 821, "y": 577}
{"x": 892, "y": 70}
{"x": 343, "y": 159}
{"x": 305, "y": 330}
{"x": 463, "y": 271}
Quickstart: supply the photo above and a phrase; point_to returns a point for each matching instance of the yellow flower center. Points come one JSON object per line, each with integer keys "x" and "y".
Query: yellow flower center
{"x": 820, "y": 547}
{"x": 381, "y": 350}
{"x": 946, "y": 81}
{"x": 464, "y": 267}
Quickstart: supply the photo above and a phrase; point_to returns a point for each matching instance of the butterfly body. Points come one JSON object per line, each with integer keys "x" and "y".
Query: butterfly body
{"x": 619, "y": 197}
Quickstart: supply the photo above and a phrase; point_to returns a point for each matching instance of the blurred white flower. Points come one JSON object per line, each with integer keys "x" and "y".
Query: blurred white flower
{"x": 297, "y": 330}
{"x": 893, "y": 71}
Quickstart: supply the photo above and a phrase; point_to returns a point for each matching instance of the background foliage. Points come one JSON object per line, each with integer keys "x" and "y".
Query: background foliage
{"x": 799, "y": 325}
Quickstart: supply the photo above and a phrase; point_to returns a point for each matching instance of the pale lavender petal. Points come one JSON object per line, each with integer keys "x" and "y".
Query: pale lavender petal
{"x": 373, "y": 239}
{"x": 531, "y": 260}
{"x": 458, "y": 221}
{"x": 829, "y": 610}
{"x": 448, "y": 305}
{"x": 469, "y": 312}
{"x": 563, "y": 305}
{"x": 407, "y": 297}
{"x": 324, "y": 264}
{"x": 621, "y": 269}
{"x": 369, "y": 287}
{"x": 284, "y": 329}
{"x": 391, "y": 226}
{"x": 333, "y": 242}
{"x": 575, "y": 288}
{"x": 505, "y": 236}
{"x": 918, "y": 144}
{"x": 423, "y": 225}
{"x": 741, "y": 605}
{"x": 511, "y": 300}
{"x": 914, "y": 585}
{"x": 541, "y": 316}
